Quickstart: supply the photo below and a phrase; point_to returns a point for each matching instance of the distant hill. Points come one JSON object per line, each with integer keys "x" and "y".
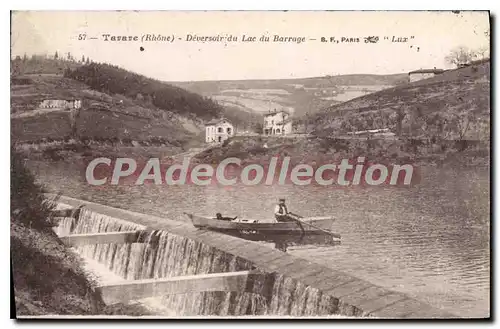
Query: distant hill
{"x": 298, "y": 96}
{"x": 452, "y": 105}
{"x": 313, "y": 82}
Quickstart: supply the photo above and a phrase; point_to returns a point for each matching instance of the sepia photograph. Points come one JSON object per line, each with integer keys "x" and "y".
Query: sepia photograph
{"x": 250, "y": 165}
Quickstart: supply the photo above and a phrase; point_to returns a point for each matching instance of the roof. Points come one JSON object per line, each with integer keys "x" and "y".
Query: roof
{"x": 436, "y": 71}
{"x": 216, "y": 121}
{"x": 275, "y": 112}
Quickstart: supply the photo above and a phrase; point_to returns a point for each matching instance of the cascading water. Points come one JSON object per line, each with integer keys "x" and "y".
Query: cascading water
{"x": 163, "y": 255}
{"x": 160, "y": 254}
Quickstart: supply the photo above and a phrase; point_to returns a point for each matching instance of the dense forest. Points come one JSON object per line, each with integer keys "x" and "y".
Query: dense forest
{"x": 114, "y": 80}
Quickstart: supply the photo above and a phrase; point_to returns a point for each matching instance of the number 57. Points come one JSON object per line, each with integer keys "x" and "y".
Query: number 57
{"x": 82, "y": 36}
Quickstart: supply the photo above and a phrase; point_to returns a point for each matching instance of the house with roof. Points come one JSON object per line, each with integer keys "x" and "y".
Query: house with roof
{"x": 277, "y": 123}
{"x": 218, "y": 130}
{"x": 423, "y": 74}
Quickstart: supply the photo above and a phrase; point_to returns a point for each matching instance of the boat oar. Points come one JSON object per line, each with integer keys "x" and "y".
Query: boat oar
{"x": 304, "y": 222}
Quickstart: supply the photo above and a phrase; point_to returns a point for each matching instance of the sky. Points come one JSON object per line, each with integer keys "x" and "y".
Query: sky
{"x": 431, "y": 36}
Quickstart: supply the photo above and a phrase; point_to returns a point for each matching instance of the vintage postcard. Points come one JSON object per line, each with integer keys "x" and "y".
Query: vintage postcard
{"x": 253, "y": 164}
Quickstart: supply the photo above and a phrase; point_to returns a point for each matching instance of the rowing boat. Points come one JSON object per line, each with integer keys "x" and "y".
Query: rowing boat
{"x": 318, "y": 225}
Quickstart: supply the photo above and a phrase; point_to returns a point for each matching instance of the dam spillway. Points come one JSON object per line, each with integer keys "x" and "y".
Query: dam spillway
{"x": 164, "y": 249}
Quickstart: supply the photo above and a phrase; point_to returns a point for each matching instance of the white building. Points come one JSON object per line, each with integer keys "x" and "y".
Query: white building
{"x": 218, "y": 130}
{"x": 423, "y": 74}
{"x": 60, "y": 104}
{"x": 277, "y": 123}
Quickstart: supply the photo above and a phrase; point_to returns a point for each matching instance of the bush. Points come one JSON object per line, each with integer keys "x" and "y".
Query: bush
{"x": 28, "y": 205}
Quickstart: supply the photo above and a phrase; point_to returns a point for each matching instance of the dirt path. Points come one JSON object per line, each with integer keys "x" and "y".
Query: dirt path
{"x": 190, "y": 153}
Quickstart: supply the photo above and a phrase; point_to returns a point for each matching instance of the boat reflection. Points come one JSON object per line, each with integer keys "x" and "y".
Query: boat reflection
{"x": 283, "y": 241}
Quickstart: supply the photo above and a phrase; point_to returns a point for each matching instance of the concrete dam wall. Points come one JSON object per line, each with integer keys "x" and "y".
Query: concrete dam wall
{"x": 150, "y": 251}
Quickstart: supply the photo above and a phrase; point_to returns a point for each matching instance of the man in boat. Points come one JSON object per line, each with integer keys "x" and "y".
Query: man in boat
{"x": 281, "y": 212}
{"x": 219, "y": 217}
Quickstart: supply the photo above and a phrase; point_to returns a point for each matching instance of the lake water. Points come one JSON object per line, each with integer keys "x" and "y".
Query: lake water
{"x": 431, "y": 241}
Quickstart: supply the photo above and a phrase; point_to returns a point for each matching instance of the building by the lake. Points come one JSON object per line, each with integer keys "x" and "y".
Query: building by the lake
{"x": 423, "y": 74}
{"x": 277, "y": 123}
{"x": 218, "y": 130}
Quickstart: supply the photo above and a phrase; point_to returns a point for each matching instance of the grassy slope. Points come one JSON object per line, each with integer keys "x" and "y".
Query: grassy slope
{"x": 457, "y": 92}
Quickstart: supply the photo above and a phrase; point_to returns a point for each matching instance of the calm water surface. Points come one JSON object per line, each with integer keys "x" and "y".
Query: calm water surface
{"x": 430, "y": 241}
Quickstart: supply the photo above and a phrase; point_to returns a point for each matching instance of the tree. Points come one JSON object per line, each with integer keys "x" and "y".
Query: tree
{"x": 87, "y": 61}
{"x": 83, "y": 59}
{"x": 56, "y": 55}
{"x": 460, "y": 56}
{"x": 25, "y": 57}
{"x": 69, "y": 56}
